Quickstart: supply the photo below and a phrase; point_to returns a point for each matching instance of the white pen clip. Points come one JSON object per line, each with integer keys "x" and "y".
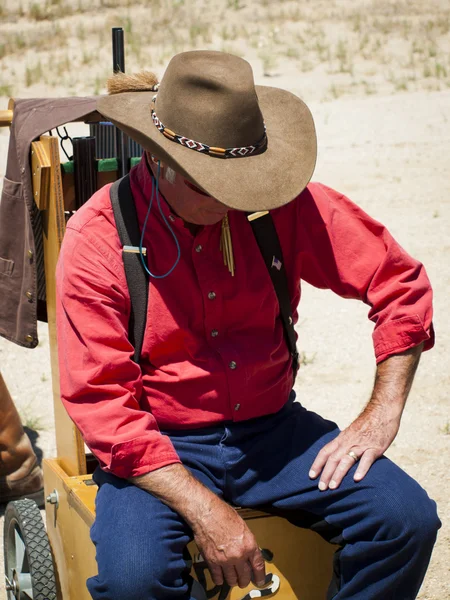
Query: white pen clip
{"x": 135, "y": 250}
{"x": 257, "y": 215}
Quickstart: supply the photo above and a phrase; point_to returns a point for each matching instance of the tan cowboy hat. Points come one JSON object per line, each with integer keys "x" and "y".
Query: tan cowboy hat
{"x": 250, "y": 147}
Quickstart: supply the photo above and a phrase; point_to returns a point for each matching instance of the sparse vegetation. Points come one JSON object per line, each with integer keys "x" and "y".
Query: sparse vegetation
{"x": 269, "y": 61}
{"x": 33, "y": 74}
{"x": 307, "y": 359}
{"x": 446, "y": 428}
{"x": 30, "y": 420}
{"x": 6, "y": 90}
{"x": 358, "y": 46}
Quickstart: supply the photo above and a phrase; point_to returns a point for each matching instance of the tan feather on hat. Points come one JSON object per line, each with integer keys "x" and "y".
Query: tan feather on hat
{"x": 250, "y": 147}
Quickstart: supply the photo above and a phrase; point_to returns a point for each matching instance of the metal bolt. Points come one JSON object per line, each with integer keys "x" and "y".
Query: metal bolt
{"x": 53, "y": 498}
{"x": 10, "y": 585}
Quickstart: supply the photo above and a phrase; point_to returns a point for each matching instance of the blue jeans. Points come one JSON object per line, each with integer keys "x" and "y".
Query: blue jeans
{"x": 386, "y": 524}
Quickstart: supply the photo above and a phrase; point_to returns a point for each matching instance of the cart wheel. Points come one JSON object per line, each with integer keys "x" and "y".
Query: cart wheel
{"x": 29, "y": 570}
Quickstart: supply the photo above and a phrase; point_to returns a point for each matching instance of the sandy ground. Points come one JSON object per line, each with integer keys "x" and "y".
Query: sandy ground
{"x": 388, "y": 151}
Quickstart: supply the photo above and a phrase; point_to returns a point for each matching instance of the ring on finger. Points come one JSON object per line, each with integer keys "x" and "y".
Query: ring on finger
{"x": 353, "y": 455}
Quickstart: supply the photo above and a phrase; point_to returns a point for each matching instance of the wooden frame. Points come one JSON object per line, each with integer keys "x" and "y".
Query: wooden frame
{"x": 302, "y": 560}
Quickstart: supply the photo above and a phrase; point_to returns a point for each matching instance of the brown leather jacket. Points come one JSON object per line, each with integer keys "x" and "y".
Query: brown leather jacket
{"x": 22, "y": 282}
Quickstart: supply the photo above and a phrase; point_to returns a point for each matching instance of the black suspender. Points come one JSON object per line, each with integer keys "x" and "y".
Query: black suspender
{"x": 137, "y": 278}
{"x": 269, "y": 245}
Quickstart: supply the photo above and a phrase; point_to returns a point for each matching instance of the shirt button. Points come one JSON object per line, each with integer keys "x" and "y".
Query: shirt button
{"x": 232, "y": 365}
{"x": 198, "y": 248}
{"x": 171, "y": 218}
{"x": 30, "y": 253}
{"x": 211, "y": 295}
{"x": 29, "y": 338}
{"x": 29, "y": 295}
{"x": 214, "y": 333}
{"x": 237, "y": 406}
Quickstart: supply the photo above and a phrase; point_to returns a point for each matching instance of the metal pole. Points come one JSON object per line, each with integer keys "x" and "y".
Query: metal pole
{"x": 84, "y": 166}
{"x": 118, "y": 49}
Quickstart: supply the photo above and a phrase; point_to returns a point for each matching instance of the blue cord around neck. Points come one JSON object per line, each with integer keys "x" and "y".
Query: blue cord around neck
{"x": 165, "y": 221}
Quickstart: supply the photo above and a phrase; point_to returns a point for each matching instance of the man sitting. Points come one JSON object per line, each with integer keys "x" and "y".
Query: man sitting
{"x": 207, "y": 418}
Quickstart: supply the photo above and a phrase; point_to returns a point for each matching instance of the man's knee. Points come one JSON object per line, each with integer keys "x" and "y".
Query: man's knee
{"x": 139, "y": 545}
{"x": 423, "y": 523}
{"x": 118, "y": 586}
{"x": 406, "y": 513}
{"x": 147, "y": 577}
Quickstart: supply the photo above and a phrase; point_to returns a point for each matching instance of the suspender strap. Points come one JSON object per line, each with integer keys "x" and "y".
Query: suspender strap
{"x": 269, "y": 245}
{"x": 137, "y": 279}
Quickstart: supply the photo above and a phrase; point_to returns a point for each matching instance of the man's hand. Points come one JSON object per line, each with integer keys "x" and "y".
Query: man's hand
{"x": 371, "y": 434}
{"x": 229, "y": 547}
{"x": 367, "y": 437}
{"x": 226, "y": 543}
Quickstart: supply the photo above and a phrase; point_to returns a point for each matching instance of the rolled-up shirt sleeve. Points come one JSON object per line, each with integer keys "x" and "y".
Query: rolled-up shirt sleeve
{"x": 100, "y": 383}
{"x": 347, "y": 251}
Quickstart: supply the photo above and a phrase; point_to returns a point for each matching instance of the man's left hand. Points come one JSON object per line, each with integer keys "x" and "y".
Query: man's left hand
{"x": 365, "y": 440}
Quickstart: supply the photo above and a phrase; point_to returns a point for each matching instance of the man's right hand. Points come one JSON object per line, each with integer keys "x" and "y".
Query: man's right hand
{"x": 226, "y": 543}
{"x": 228, "y": 546}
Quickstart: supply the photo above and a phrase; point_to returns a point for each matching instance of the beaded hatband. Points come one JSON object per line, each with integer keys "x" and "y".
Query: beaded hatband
{"x": 204, "y": 148}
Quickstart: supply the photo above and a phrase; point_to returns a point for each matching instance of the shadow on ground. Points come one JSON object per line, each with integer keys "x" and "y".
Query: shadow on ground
{"x": 34, "y": 436}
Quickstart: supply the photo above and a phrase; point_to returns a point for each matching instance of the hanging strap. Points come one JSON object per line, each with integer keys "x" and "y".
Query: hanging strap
{"x": 137, "y": 279}
{"x": 269, "y": 245}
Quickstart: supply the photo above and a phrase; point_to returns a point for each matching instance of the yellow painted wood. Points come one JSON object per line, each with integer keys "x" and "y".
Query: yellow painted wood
{"x": 40, "y": 172}
{"x": 6, "y": 118}
{"x": 69, "y": 443}
{"x": 301, "y": 559}
{"x": 81, "y": 496}
{"x": 59, "y": 530}
{"x": 68, "y": 530}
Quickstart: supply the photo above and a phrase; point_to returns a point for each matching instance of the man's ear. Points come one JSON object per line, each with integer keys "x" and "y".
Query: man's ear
{"x": 165, "y": 171}
{"x": 152, "y": 158}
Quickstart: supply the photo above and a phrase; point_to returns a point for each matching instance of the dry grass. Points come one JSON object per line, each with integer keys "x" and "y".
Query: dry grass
{"x": 364, "y": 47}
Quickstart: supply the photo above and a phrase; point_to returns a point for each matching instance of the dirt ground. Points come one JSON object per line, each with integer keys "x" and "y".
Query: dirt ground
{"x": 384, "y": 141}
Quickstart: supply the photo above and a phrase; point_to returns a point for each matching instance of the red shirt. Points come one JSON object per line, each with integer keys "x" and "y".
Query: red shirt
{"x": 214, "y": 347}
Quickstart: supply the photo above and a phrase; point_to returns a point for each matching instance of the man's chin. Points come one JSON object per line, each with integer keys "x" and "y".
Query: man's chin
{"x": 210, "y": 219}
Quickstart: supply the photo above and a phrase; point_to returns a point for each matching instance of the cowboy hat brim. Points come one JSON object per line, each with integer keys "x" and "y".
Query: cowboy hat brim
{"x": 261, "y": 182}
